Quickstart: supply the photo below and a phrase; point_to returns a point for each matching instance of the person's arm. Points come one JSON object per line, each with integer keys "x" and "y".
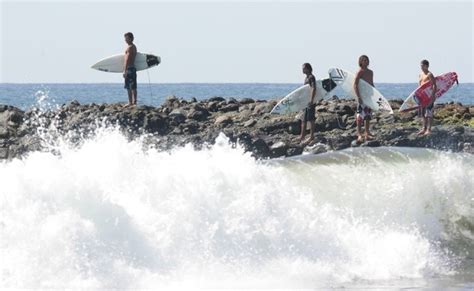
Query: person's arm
{"x": 133, "y": 56}
{"x": 126, "y": 62}
{"x": 356, "y": 86}
{"x": 434, "y": 88}
{"x": 313, "y": 90}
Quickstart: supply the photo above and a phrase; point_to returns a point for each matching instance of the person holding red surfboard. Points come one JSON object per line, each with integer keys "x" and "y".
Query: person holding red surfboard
{"x": 427, "y": 112}
{"x": 364, "y": 113}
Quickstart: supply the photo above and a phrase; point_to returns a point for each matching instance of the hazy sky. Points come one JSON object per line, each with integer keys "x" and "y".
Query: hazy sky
{"x": 264, "y": 41}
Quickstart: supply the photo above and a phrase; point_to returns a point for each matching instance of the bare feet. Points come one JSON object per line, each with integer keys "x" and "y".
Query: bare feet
{"x": 428, "y": 132}
{"x": 309, "y": 140}
{"x": 421, "y": 132}
{"x": 127, "y": 105}
{"x": 369, "y": 137}
{"x": 360, "y": 139}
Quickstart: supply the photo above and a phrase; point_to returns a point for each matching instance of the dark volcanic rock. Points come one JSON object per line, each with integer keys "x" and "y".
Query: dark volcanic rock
{"x": 229, "y": 107}
{"x": 198, "y": 113}
{"x": 244, "y": 101}
{"x": 278, "y": 149}
{"x": 246, "y": 121}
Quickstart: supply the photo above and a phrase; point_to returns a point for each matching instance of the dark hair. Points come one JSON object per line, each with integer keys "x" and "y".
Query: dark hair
{"x": 308, "y": 66}
{"x": 361, "y": 58}
{"x": 425, "y": 63}
{"x": 129, "y": 34}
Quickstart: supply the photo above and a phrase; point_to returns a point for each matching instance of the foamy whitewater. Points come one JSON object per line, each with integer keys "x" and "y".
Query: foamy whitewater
{"x": 114, "y": 214}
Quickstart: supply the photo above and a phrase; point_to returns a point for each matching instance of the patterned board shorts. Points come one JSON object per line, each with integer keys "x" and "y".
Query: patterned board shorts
{"x": 364, "y": 113}
{"x": 427, "y": 111}
{"x": 131, "y": 79}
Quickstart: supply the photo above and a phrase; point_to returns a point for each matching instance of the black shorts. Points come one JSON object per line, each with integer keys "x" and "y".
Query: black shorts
{"x": 131, "y": 79}
{"x": 310, "y": 113}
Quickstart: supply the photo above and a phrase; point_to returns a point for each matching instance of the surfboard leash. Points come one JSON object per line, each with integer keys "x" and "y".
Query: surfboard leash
{"x": 149, "y": 84}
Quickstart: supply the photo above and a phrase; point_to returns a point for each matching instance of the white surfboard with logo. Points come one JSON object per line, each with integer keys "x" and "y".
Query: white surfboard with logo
{"x": 114, "y": 64}
{"x": 298, "y": 99}
{"x": 370, "y": 96}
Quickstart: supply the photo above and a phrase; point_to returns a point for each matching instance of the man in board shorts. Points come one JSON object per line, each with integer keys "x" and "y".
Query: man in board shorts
{"x": 427, "y": 112}
{"x": 364, "y": 113}
{"x": 309, "y": 113}
{"x": 129, "y": 70}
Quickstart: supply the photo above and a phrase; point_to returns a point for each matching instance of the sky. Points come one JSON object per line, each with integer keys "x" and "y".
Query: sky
{"x": 235, "y": 42}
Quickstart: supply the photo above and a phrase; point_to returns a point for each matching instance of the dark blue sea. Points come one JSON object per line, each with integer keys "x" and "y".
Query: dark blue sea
{"x": 28, "y": 95}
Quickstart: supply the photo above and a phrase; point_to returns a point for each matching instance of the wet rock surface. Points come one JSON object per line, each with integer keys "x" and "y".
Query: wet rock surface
{"x": 247, "y": 122}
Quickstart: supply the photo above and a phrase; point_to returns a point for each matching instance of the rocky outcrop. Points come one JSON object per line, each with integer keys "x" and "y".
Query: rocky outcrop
{"x": 247, "y": 122}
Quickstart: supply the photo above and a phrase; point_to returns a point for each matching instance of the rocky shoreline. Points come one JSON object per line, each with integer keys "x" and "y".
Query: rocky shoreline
{"x": 246, "y": 121}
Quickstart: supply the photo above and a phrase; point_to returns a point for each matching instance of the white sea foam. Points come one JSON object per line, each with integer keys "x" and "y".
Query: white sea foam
{"x": 110, "y": 215}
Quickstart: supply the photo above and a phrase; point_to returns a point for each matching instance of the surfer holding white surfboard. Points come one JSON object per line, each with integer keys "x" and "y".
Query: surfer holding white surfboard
{"x": 364, "y": 112}
{"x": 128, "y": 64}
{"x": 129, "y": 70}
{"x": 309, "y": 113}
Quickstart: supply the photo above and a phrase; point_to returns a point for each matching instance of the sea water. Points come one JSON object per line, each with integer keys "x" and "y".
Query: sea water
{"x": 26, "y": 95}
{"x": 113, "y": 213}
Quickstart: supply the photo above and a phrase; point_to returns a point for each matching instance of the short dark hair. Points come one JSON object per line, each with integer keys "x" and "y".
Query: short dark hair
{"x": 308, "y": 66}
{"x": 425, "y": 63}
{"x": 129, "y": 34}
{"x": 361, "y": 58}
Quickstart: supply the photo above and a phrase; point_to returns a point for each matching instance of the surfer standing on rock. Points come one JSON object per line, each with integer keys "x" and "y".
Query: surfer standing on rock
{"x": 364, "y": 113}
{"x": 129, "y": 70}
{"x": 427, "y": 112}
{"x": 309, "y": 113}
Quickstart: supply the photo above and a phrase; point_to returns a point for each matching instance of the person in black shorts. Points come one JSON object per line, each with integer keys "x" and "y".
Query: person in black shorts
{"x": 309, "y": 113}
{"x": 129, "y": 70}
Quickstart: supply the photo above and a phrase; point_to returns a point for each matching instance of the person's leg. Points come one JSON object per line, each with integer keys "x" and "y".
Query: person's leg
{"x": 130, "y": 97}
{"x": 134, "y": 97}
{"x": 423, "y": 129}
{"x": 429, "y": 121}
{"x": 313, "y": 125}
{"x": 422, "y": 114}
{"x": 303, "y": 129}
{"x": 359, "y": 128}
{"x": 359, "y": 120}
{"x": 367, "y": 130}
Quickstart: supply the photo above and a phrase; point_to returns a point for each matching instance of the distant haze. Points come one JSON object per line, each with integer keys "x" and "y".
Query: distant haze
{"x": 265, "y": 41}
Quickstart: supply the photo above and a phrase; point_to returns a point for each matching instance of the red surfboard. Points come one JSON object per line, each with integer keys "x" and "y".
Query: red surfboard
{"x": 421, "y": 97}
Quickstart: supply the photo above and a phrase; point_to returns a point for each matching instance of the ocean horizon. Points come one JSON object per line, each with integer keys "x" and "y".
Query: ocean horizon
{"x": 26, "y": 95}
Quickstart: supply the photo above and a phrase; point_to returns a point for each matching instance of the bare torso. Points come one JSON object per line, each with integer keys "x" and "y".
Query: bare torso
{"x": 367, "y": 75}
{"x": 130, "y": 54}
{"x": 424, "y": 78}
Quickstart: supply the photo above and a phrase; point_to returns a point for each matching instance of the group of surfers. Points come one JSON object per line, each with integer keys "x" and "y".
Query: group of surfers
{"x": 363, "y": 114}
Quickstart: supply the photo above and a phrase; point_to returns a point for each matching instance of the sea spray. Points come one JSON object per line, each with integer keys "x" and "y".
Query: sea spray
{"x": 109, "y": 214}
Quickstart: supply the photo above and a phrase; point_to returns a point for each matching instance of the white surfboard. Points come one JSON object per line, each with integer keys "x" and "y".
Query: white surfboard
{"x": 298, "y": 99}
{"x": 114, "y": 64}
{"x": 370, "y": 96}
